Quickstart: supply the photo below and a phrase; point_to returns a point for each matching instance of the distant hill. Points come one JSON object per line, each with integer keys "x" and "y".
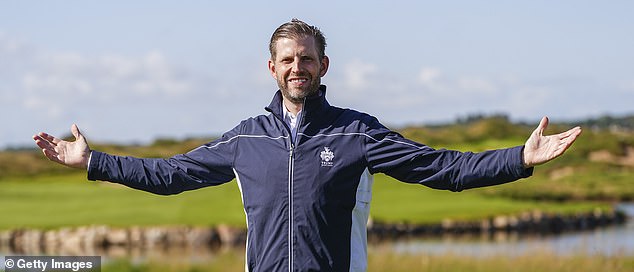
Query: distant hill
{"x": 607, "y": 122}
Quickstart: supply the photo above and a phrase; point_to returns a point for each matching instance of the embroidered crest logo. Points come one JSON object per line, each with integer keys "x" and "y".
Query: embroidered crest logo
{"x": 326, "y": 157}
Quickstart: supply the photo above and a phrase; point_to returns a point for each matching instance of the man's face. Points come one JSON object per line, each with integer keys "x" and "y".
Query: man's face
{"x": 297, "y": 68}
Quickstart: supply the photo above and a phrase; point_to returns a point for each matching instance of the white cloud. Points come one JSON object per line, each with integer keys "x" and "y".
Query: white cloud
{"x": 63, "y": 87}
{"x": 476, "y": 85}
{"x": 434, "y": 81}
{"x": 27, "y": 71}
{"x": 54, "y": 88}
{"x": 358, "y": 74}
{"x": 627, "y": 86}
{"x": 109, "y": 76}
{"x": 60, "y": 84}
{"x": 140, "y": 94}
{"x": 428, "y": 76}
{"x": 433, "y": 94}
{"x": 12, "y": 47}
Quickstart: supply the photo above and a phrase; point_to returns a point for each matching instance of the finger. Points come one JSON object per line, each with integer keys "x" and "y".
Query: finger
{"x": 539, "y": 130}
{"x": 78, "y": 134}
{"x": 75, "y": 131}
{"x": 43, "y": 143}
{"x": 543, "y": 124}
{"x": 562, "y": 148}
{"x": 565, "y": 143}
{"x": 51, "y": 155}
{"x": 572, "y": 138}
{"x": 50, "y": 138}
{"x": 574, "y": 132}
{"x": 37, "y": 137}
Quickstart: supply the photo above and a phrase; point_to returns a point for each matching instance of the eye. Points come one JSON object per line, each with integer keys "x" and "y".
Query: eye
{"x": 307, "y": 58}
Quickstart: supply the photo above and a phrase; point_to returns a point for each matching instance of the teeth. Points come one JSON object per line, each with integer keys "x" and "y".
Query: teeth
{"x": 298, "y": 80}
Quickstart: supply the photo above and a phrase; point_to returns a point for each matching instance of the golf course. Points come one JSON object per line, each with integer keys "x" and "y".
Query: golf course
{"x": 595, "y": 174}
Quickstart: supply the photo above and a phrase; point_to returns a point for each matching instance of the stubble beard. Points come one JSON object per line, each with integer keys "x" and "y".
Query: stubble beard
{"x": 299, "y": 96}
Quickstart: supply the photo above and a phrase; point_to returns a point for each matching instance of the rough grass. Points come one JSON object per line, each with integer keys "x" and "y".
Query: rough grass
{"x": 537, "y": 261}
{"x": 382, "y": 260}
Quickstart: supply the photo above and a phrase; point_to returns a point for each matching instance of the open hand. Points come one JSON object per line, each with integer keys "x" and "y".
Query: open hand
{"x": 73, "y": 154}
{"x": 540, "y": 149}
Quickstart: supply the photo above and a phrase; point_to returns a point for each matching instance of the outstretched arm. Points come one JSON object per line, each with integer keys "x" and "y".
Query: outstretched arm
{"x": 208, "y": 165}
{"x": 73, "y": 154}
{"x": 540, "y": 149}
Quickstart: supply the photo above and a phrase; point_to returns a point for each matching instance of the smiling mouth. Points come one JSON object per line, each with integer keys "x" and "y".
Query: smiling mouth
{"x": 298, "y": 80}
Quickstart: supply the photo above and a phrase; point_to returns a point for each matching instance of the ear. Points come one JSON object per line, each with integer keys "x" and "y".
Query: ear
{"x": 325, "y": 61}
{"x": 272, "y": 69}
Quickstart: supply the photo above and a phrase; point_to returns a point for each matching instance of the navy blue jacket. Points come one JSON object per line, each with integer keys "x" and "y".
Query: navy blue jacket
{"x": 307, "y": 202}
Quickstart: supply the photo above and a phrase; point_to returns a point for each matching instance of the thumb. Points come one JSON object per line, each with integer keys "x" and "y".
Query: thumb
{"x": 543, "y": 124}
{"x": 75, "y": 131}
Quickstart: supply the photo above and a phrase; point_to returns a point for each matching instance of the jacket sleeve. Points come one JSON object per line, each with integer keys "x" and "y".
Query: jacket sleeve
{"x": 388, "y": 152}
{"x": 207, "y": 165}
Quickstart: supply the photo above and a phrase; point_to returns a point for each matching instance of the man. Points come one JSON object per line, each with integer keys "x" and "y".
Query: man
{"x": 305, "y": 169}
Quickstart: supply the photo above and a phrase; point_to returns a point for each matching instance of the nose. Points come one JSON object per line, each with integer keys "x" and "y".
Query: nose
{"x": 295, "y": 67}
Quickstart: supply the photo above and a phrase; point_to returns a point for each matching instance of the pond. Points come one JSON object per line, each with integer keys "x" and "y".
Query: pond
{"x": 608, "y": 241}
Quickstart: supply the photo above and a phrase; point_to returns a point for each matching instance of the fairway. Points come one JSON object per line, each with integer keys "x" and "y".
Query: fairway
{"x": 71, "y": 200}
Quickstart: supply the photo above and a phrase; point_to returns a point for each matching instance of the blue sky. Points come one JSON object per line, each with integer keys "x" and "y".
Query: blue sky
{"x": 132, "y": 71}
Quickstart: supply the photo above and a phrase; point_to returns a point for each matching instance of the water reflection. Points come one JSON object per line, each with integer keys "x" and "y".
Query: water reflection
{"x": 609, "y": 241}
{"x": 615, "y": 240}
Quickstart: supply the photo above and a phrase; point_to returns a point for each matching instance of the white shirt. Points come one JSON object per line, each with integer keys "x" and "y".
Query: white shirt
{"x": 291, "y": 121}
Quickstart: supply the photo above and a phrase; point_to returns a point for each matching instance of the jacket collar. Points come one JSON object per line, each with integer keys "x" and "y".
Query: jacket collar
{"x": 312, "y": 105}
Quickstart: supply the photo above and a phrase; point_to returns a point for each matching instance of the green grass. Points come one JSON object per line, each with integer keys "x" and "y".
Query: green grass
{"x": 591, "y": 180}
{"x": 599, "y": 181}
{"x": 225, "y": 260}
{"x": 482, "y": 145}
{"x": 396, "y": 201}
{"x": 385, "y": 260}
{"x": 535, "y": 261}
{"x": 70, "y": 200}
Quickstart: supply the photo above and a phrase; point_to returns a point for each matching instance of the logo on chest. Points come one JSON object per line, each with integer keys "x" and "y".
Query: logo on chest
{"x": 326, "y": 157}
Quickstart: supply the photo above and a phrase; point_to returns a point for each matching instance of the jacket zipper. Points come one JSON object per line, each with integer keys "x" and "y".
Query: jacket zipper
{"x": 291, "y": 165}
{"x": 291, "y": 145}
{"x": 291, "y": 181}
{"x": 290, "y": 205}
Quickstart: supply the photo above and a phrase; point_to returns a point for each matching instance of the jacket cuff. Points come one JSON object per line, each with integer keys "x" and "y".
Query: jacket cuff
{"x": 93, "y": 165}
{"x": 520, "y": 170}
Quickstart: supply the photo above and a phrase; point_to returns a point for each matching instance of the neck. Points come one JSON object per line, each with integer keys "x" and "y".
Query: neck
{"x": 292, "y": 107}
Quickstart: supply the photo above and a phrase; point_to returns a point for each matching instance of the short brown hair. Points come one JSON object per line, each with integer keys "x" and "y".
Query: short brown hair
{"x": 296, "y": 29}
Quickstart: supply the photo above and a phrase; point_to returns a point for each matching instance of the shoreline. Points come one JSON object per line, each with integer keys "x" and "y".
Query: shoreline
{"x": 122, "y": 241}
{"x": 530, "y": 223}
